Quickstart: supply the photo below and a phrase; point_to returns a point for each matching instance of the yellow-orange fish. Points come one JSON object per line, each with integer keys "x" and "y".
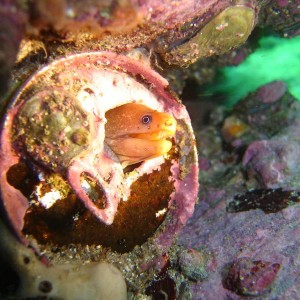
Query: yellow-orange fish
{"x": 136, "y": 132}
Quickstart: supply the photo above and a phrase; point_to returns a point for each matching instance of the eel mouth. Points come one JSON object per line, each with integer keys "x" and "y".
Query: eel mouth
{"x": 154, "y": 136}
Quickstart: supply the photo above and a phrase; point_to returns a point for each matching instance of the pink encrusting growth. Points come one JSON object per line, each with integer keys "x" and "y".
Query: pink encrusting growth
{"x": 183, "y": 202}
{"x": 17, "y": 203}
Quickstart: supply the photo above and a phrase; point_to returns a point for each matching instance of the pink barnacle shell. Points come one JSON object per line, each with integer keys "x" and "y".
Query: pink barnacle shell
{"x": 55, "y": 125}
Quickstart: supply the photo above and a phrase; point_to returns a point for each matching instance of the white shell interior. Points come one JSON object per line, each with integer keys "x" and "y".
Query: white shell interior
{"x": 113, "y": 89}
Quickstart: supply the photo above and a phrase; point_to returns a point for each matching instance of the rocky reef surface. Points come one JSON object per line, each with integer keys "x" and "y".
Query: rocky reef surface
{"x": 247, "y": 217}
{"x": 242, "y": 240}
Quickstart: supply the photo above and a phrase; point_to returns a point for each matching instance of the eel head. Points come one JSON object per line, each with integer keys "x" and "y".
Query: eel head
{"x": 136, "y": 132}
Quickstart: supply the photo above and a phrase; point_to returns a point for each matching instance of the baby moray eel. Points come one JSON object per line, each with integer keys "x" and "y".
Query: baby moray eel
{"x": 136, "y": 132}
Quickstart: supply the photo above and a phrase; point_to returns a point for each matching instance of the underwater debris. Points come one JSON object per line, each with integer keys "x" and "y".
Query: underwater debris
{"x": 268, "y": 200}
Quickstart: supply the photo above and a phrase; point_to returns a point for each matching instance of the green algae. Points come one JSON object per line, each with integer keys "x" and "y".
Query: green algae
{"x": 275, "y": 59}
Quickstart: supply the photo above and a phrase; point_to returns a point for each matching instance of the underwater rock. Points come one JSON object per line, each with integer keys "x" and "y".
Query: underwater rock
{"x": 12, "y": 30}
{"x": 268, "y": 200}
{"x": 251, "y": 278}
{"x": 97, "y": 280}
{"x": 261, "y": 115}
{"x": 282, "y": 16}
{"x": 164, "y": 287}
{"x": 250, "y": 233}
{"x": 167, "y": 28}
{"x": 192, "y": 264}
{"x": 237, "y": 217}
{"x": 71, "y": 19}
{"x": 272, "y": 92}
{"x": 273, "y": 163}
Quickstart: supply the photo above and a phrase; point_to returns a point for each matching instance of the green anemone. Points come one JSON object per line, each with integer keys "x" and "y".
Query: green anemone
{"x": 275, "y": 59}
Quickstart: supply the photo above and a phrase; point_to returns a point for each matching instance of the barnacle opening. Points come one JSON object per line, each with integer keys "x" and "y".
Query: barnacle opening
{"x": 93, "y": 190}
{"x": 142, "y": 196}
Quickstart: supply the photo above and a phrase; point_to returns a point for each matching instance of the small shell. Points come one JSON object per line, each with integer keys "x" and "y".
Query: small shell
{"x": 227, "y": 30}
{"x": 57, "y": 128}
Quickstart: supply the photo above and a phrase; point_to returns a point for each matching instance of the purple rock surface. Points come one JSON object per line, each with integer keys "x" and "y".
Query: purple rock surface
{"x": 250, "y": 278}
{"x": 251, "y": 234}
{"x": 247, "y": 217}
{"x": 274, "y": 162}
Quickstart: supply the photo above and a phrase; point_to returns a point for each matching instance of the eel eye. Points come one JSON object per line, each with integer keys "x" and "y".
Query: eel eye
{"x": 146, "y": 119}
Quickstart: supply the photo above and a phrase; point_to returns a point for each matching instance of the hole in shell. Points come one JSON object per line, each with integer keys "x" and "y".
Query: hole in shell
{"x": 26, "y": 260}
{"x": 130, "y": 168}
{"x": 21, "y": 178}
{"x": 89, "y": 91}
{"x": 93, "y": 190}
{"x": 45, "y": 286}
{"x": 163, "y": 288}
